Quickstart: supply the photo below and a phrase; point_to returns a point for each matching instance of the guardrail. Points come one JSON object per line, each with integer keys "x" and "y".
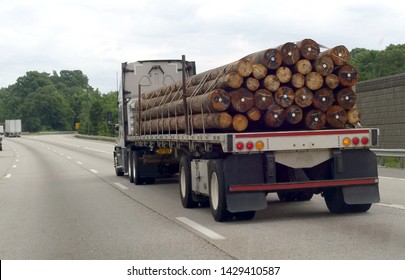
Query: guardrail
{"x": 395, "y": 153}
{"x": 100, "y": 138}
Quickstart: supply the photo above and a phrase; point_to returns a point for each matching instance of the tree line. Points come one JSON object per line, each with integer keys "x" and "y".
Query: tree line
{"x": 57, "y": 101}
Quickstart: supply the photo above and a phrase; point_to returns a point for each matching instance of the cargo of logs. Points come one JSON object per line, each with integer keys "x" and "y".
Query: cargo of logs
{"x": 291, "y": 87}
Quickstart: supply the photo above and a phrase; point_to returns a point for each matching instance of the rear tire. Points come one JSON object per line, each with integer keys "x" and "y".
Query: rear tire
{"x": 245, "y": 216}
{"x": 358, "y": 208}
{"x": 334, "y": 201}
{"x": 118, "y": 171}
{"x": 186, "y": 191}
{"x": 217, "y": 192}
{"x": 130, "y": 165}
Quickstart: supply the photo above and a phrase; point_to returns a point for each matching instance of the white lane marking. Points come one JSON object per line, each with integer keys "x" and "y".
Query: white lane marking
{"x": 200, "y": 228}
{"x": 395, "y": 206}
{"x": 94, "y": 171}
{"x": 17, "y": 160}
{"x": 121, "y": 186}
{"x": 8, "y": 176}
{"x": 78, "y": 162}
{"x": 392, "y": 178}
{"x": 14, "y": 166}
{"x": 61, "y": 154}
{"x": 95, "y": 150}
{"x": 18, "y": 156}
{"x": 69, "y": 157}
{"x": 73, "y": 145}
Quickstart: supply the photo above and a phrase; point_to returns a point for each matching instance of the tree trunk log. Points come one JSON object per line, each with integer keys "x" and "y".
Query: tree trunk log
{"x": 336, "y": 116}
{"x": 239, "y": 122}
{"x": 254, "y": 114}
{"x": 263, "y": 99}
{"x": 332, "y": 81}
{"x": 348, "y": 75}
{"x": 346, "y": 98}
{"x": 252, "y": 84}
{"x": 339, "y": 54}
{"x": 274, "y": 116}
{"x": 290, "y": 52}
{"x": 303, "y": 97}
{"x": 323, "y": 65}
{"x": 229, "y": 81}
{"x": 284, "y": 96}
{"x": 283, "y": 74}
{"x": 314, "y": 81}
{"x": 309, "y": 49}
{"x": 271, "y": 58}
{"x": 293, "y": 114}
{"x": 354, "y": 116}
{"x": 271, "y": 82}
{"x": 298, "y": 80}
{"x": 323, "y": 99}
{"x": 241, "y": 99}
{"x": 259, "y": 71}
{"x": 303, "y": 66}
{"x": 315, "y": 119}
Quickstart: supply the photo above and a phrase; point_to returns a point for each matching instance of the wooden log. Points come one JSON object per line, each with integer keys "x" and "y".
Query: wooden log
{"x": 210, "y": 121}
{"x": 290, "y": 52}
{"x": 274, "y": 116}
{"x": 283, "y": 74}
{"x": 229, "y": 81}
{"x": 323, "y": 99}
{"x": 271, "y": 82}
{"x": 298, "y": 80}
{"x": 251, "y": 83}
{"x": 309, "y": 49}
{"x": 346, "y": 98}
{"x": 314, "y": 81}
{"x": 303, "y": 66}
{"x": 323, "y": 65}
{"x": 284, "y": 96}
{"x": 263, "y": 99}
{"x": 254, "y": 114}
{"x": 332, "y": 81}
{"x": 336, "y": 116}
{"x": 271, "y": 58}
{"x": 259, "y": 71}
{"x": 354, "y": 116}
{"x": 293, "y": 114}
{"x": 348, "y": 75}
{"x": 239, "y": 122}
{"x": 315, "y": 119}
{"x": 339, "y": 54}
{"x": 241, "y": 99}
{"x": 303, "y": 97}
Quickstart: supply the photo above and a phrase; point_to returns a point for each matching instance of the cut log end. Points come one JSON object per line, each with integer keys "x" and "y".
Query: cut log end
{"x": 336, "y": 116}
{"x": 239, "y": 122}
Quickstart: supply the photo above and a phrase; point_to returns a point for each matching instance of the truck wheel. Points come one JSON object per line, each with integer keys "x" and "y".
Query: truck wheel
{"x": 217, "y": 192}
{"x": 245, "y": 216}
{"x": 138, "y": 180}
{"x": 358, "y": 208}
{"x": 118, "y": 171}
{"x": 287, "y": 196}
{"x": 186, "y": 191}
{"x": 131, "y": 167}
{"x": 304, "y": 196}
{"x": 334, "y": 201}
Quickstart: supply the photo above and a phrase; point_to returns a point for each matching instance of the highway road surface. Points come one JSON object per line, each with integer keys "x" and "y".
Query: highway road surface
{"x": 60, "y": 199}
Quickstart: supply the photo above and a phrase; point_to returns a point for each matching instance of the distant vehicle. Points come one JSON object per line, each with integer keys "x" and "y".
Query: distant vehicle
{"x": 1, "y": 137}
{"x": 13, "y": 128}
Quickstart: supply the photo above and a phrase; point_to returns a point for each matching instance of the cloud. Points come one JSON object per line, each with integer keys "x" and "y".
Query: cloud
{"x": 96, "y": 36}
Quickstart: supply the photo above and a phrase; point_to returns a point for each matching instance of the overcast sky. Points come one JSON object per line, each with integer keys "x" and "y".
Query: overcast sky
{"x": 95, "y": 36}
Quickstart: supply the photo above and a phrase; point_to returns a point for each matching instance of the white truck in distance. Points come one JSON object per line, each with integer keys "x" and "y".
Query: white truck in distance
{"x": 233, "y": 172}
{"x": 13, "y": 128}
{"x": 1, "y": 137}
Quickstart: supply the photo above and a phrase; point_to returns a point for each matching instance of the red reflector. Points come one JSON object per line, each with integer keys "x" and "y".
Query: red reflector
{"x": 249, "y": 145}
{"x": 239, "y": 146}
{"x": 356, "y": 141}
{"x": 364, "y": 140}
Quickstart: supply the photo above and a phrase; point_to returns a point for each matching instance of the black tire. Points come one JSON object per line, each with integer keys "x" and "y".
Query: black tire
{"x": 245, "y": 216}
{"x": 334, "y": 201}
{"x": 217, "y": 192}
{"x": 185, "y": 187}
{"x": 138, "y": 180}
{"x": 130, "y": 167}
{"x": 358, "y": 208}
{"x": 287, "y": 196}
{"x": 118, "y": 171}
{"x": 304, "y": 196}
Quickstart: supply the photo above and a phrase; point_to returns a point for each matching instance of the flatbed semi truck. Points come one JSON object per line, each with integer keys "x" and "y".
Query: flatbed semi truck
{"x": 233, "y": 172}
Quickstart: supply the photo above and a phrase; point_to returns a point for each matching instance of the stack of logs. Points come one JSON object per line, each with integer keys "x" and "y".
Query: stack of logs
{"x": 291, "y": 87}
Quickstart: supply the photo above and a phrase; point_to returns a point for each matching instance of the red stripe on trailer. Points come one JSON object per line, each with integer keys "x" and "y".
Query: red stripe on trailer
{"x": 303, "y": 133}
{"x": 304, "y": 185}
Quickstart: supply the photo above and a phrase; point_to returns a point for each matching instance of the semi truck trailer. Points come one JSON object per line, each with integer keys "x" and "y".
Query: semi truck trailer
{"x": 233, "y": 172}
{"x": 13, "y": 128}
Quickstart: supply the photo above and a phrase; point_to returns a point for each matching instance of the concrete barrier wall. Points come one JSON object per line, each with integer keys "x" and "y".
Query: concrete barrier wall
{"x": 382, "y": 104}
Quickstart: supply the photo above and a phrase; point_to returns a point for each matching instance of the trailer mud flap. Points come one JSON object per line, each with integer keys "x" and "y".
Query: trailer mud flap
{"x": 361, "y": 194}
{"x": 240, "y": 202}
